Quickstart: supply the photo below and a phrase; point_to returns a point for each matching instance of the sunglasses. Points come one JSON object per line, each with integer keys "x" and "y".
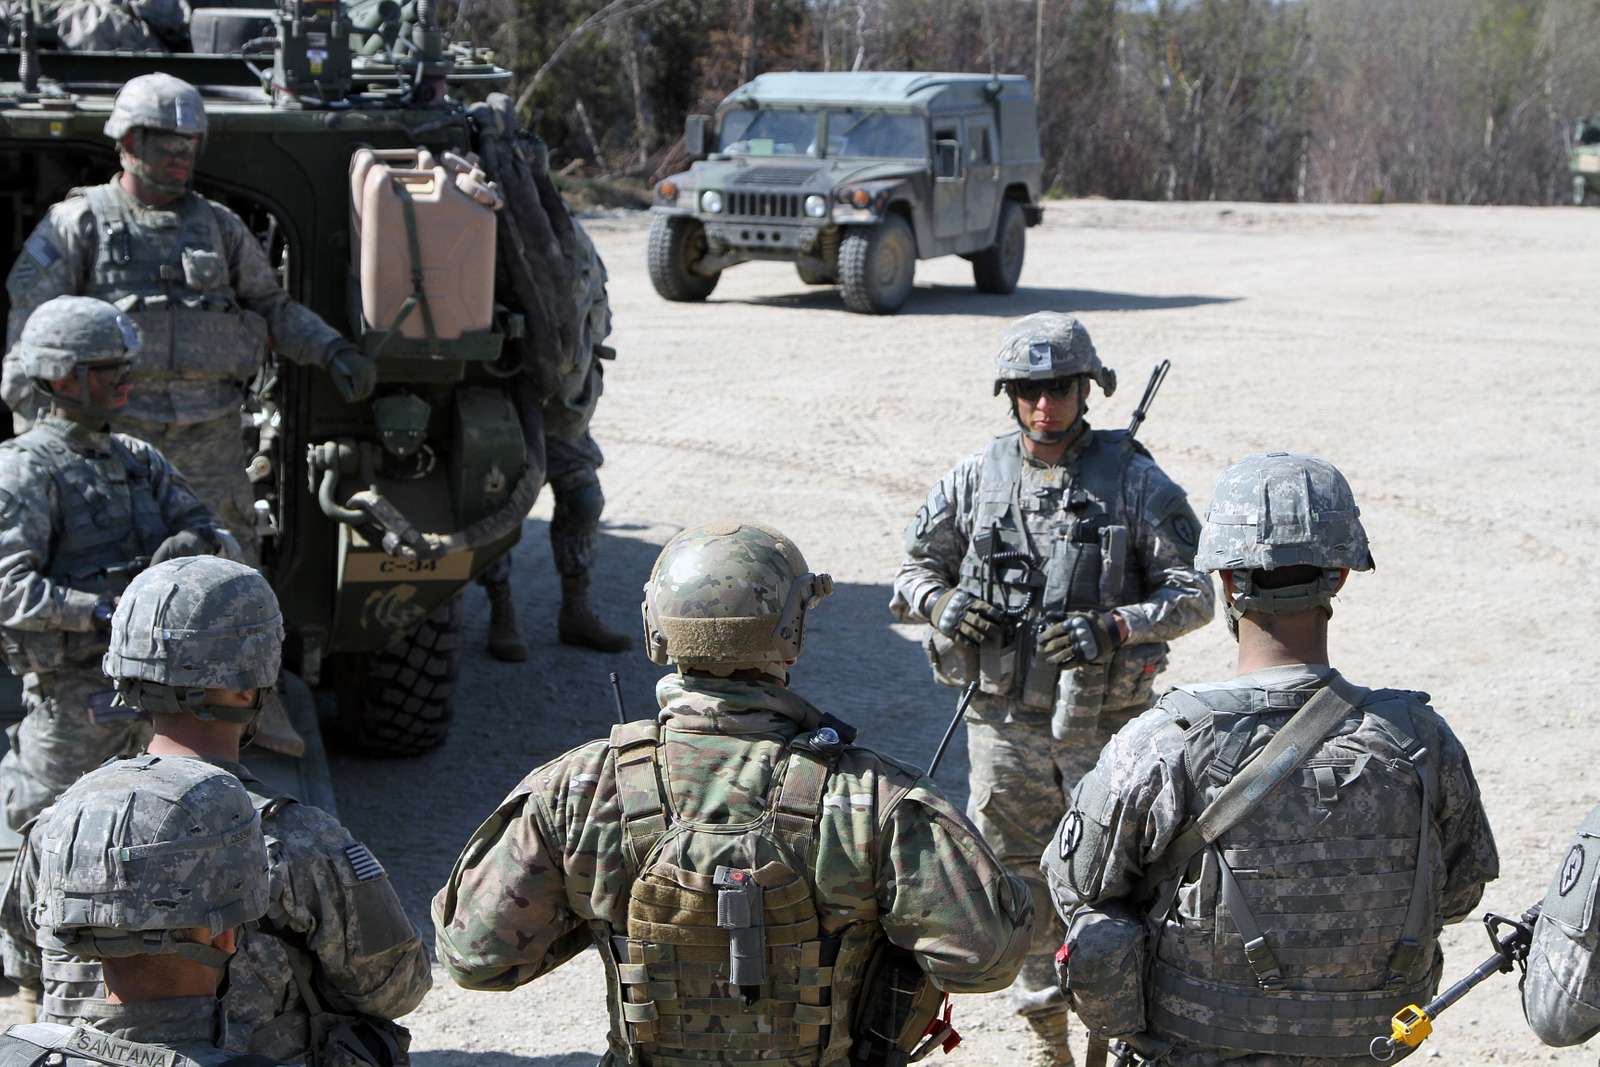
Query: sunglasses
{"x": 1055, "y": 388}
{"x": 117, "y": 374}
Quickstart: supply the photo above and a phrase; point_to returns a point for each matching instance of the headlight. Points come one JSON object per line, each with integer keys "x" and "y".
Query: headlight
{"x": 816, "y": 206}
{"x": 711, "y": 202}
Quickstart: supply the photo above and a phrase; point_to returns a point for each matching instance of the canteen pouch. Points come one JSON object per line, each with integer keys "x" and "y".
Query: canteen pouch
{"x": 1107, "y": 952}
{"x": 954, "y": 663}
{"x": 203, "y": 269}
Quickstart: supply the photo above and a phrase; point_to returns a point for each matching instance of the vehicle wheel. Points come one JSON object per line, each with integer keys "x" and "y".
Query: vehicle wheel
{"x": 676, "y": 243}
{"x": 812, "y": 277}
{"x": 400, "y": 701}
{"x": 997, "y": 268}
{"x": 877, "y": 266}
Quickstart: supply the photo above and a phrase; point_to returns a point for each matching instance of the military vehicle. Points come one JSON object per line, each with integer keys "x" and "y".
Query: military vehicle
{"x": 853, "y": 177}
{"x": 374, "y": 515}
{"x": 1583, "y": 158}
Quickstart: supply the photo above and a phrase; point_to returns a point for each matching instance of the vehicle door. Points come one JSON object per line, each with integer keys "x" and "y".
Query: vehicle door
{"x": 983, "y": 174}
{"x": 949, "y": 179}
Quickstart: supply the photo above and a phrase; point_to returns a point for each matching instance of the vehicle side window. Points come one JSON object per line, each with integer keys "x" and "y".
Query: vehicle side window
{"x": 948, "y": 133}
{"x": 980, "y": 143}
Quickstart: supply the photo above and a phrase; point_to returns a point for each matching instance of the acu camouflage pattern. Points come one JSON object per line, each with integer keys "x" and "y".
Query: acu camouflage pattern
{"x": 1282, "y": 509}
{"x": 1561, "y": 993}
{"x": 548, "y": 873}
{"x": 1326, "y": 866}
{"x": 67, "y": 331}
{"x": 106, "y": 25}
{"x": 1046, "y": 345}
{"x": 174, "y": 1032}
{"x": 729, "y": 595}
{"x": 157, "y": 102}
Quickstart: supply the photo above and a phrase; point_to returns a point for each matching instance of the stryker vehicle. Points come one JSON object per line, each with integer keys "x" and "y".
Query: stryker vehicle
{"x": 373, "y": 515}
{"x": 1583, "y": 158}
{"x": 854, "y": 177}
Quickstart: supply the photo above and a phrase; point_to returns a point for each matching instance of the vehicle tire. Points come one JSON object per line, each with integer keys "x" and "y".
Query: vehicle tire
{"x": 812, "y": 277}
{"x": 677, "y": 242}
{"x": 877, "y": 266}
{"x": 997, "y": 268}
{"x": 400, "y": 701}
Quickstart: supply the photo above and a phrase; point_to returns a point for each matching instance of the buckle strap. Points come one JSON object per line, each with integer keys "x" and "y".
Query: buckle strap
{"x": 638, "y": 789}
{"x": 1263, "y": 961}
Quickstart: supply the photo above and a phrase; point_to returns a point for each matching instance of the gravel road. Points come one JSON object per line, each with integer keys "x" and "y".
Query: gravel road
{"x": 1442, "y": 357}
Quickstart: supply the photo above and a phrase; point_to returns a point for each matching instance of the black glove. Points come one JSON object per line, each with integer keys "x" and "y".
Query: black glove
{"x": 103, "y": 610}
{"x": 197, "y": 542}
{"x": 959, "y": 615}
{"x": 353, "y": 374}
{"x": 1082, "y": 637}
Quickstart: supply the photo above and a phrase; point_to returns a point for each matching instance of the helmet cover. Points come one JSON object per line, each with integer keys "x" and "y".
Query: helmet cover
{"x": 1047, "y": 345}
{"x": 66, "y": 332}
{"x": 157, "y": 102}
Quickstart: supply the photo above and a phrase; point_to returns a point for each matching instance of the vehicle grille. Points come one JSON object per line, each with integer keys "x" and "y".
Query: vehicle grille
{"x": 774, "y": 176}
{"x": 763, "y": 205}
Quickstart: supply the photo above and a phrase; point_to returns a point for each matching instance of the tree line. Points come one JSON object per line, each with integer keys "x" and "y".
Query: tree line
{"x": 1441, "y": 101}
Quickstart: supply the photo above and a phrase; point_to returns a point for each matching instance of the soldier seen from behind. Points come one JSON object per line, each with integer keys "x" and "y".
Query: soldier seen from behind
{"x": 195, "y": 645}
{"x": 196, "y": 282}
{"x": 82, "y": 510}
{"x": 151, "y": 866}
{"x": 735, "y": 859}
{"x": 1053, "y": 565}
{"x": 1561, "y": 993}
{"x": 1256, "y": 871}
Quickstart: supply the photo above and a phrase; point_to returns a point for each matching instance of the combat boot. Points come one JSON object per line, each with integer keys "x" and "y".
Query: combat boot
{"x": 505, "y": 643}
{"x": 579, "y": 625}
{"x": 1051, "y": 1048}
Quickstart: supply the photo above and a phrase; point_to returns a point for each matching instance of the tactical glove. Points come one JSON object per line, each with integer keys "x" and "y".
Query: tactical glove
{"x": 198, "y": 542}
{"x": 959, "y": 615}
{"x": 353, "y": 374}
{"x": 1082, "y": 637}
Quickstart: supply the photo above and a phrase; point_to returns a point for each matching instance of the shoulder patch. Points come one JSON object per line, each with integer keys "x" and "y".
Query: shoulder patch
{"x": 363, "y": 862}
{"x": 41, "y": 251}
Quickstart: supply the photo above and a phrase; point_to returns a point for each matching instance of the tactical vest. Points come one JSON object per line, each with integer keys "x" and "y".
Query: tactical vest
{"x": 723, "y": 960}
{"x": 1062, "y": 549}
{"x": 1315, "y": 918}
{"x": 172, "y": 279}
{"x": 52, "y": 1045}
{"x": 109, "y": 517}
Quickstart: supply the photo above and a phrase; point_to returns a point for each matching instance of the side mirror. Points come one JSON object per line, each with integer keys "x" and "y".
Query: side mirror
{"x": 947, "y": 159}
{"x": 694, "y": 137}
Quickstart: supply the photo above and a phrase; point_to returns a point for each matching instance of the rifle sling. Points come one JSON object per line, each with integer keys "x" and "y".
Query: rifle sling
{"x": 1283, "y": 755}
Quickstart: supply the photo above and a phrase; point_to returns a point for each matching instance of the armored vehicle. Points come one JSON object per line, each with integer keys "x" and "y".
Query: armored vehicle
{"x": 1584, "y": 161}
{"x": 854, "y": 177}
{"x": 373, "y": 515}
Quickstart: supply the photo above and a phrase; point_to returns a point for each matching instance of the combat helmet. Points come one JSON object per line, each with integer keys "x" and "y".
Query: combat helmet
{"x": 729, "y": 596}
{"x": 69, "y": 335}
{"x": 141, "y": 849}
{"x": 1282, "y": 509}
{"x": 157, "y": 102}
{"x": 1046, "y": 345}
{"x": 192, "y": 624}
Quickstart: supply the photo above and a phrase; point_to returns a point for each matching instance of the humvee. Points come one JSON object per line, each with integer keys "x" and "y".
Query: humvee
{"x": 853, "y": 177}
{"x": 1584, "y": 161}
{"x": 373, "y": 515}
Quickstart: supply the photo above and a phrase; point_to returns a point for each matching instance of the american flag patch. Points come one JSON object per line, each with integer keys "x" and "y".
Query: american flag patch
{"x": 42, "y": 251}
{"x": 363, "y": 862}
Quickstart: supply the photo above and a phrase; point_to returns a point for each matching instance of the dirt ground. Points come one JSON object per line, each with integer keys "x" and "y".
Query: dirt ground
{"x": 1442, "y": 357}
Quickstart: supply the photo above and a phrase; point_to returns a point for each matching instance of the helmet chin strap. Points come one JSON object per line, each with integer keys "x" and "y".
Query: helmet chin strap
{"x": 80, "y": 408}
{"x": 1052, "y": 437}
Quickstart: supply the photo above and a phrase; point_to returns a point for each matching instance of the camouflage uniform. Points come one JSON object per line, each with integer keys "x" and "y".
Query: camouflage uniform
{"x": 850, "y": 847}
{"x": 1108, "y": 530}
{"x": 1294, "y": 937}
{"x": 199, "y": 286}
{"x": 332, "y": 917}
{"x": 149, "y": 846}
{"x": 108, "y": 26}
{"x": 74, "y": 502}
{"x": 1561, "y": 993}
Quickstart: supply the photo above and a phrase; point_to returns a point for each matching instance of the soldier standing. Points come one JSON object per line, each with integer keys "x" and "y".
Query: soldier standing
{"x": 1274, "y": 854}
{"x": 735, "y": 859}
{"x": 1053, "y": 566}
{"x": 196, "y": 282}
{"x": 195, "y": 645}
{"x": 1561, "y": 993}
{"x": 80, "y": 511}
{"x": 572, "y": 462}
{"x": 151, "y": 866}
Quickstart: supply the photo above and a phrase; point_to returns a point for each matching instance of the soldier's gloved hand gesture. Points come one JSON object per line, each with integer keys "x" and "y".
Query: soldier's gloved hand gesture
{"x": 195, "y": 542}
{"x": 1082, "y": 637}
{"x": 959, "y": 615}
{"x": 353, "y": 374}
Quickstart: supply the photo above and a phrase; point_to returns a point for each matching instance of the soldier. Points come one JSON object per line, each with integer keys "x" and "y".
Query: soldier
{"x": 197, "y": 283}
{"x": 195, "y": 644}
{"x": 151, "y": 866}
{"x": 1561, "y": 993}
{"x": 736, "y": 860}
{"x": 1053, "y": 565}
{"x": 80, "y": 511}
{"x": 1274, "y": 854}
{"x": 572, "y": 461}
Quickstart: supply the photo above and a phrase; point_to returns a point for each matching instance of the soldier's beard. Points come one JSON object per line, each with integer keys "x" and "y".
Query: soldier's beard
{"x": 143, "y": 166}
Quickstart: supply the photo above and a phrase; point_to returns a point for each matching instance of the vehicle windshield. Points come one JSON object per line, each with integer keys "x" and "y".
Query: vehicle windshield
{"x": 769, "y": 132}
{"x": 871, "y": 133}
